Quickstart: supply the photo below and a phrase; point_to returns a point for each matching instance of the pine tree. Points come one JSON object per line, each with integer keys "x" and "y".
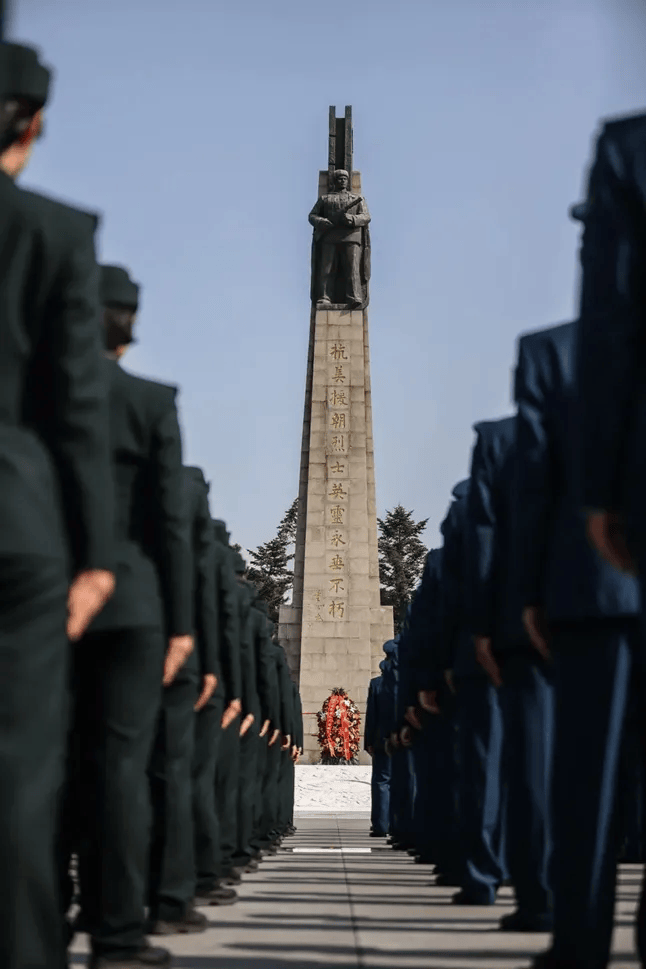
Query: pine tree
{"x": 401, "y": 559}
{"x": 269, "y": 564}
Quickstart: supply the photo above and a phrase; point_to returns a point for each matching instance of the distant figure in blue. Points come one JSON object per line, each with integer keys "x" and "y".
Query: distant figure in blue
{"x": 400, "y": 777}
{"x": 479, "y": 724}
{"x": 523, "y": 678}
{"x": 374, "y": 744}
{"x": 581, "y": 612}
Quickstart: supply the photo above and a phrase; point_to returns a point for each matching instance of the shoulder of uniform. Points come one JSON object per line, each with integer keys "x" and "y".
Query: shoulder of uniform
{"x": 623, "y": 125}
{"x": 60, "y": 211}
{"x": 161, "y": 394}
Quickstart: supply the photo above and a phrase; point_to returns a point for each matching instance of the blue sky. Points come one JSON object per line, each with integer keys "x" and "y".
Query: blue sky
{"x": 198, "y": 127}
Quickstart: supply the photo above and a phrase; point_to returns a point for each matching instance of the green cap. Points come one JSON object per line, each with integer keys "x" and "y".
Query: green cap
{"x": 22, "y": 75}
{"x": 116, "y": 286}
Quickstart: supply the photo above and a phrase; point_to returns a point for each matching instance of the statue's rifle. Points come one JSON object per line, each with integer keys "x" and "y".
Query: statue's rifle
{"x": 345, "y": 208}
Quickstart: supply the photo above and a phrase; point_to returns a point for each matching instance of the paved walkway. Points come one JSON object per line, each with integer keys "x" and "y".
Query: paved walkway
{"x": 335, "y": 897}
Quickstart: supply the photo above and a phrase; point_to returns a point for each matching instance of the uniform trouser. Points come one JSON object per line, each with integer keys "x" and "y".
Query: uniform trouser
{"x": 208, "y": 734}
{"x": 286, "y": 790}
{"x": 34, "y": 659}
{"x": 480, "y": 736}
{"x": 401, "y": 820}
{"x": 527, "y": 705}
{"x": 631, "y": 794}
{"x": 443, "y": 821}
{"x": 593, "y": 666}
{"x": 380, "y": 791}
{"x": 117, "y": 695}
{"x": 247, "y": 780}
{"x": 261, "y": 777}
{"x": 347, "y": 255}
{"x": 171, "y": 886}
{"x": 226, "y": 794}
{"x": 270, "y": 798}
{"x": 422, "y": 752}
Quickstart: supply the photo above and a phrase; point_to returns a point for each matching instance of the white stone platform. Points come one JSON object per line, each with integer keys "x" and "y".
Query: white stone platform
{"x": 335, "y": 789}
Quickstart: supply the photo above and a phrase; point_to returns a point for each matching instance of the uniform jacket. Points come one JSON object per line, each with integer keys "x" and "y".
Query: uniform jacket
{"x": 390, "y": 674}
{"x": 285, "y": 693}
{"x": 556, "y": 566}
{"x": 250, "y": 699}
{"x": 152, "y": 542}
{"x": 455, "y": 649}
{"x": 611, "y": 352}
{"x": 206, "y": 656}
{"x": 55, "y": 486}
{"x": 423, "y": 630}
{"x": 228, "y": 621}
{"x": 298, "y": 717}
{"x": 265, "y": 664}
{"x": 494, "y": 601}
{"x": 372, "y": 735}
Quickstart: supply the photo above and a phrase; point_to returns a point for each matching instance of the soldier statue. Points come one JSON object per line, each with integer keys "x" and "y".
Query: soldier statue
{"x": 340, "y": 247}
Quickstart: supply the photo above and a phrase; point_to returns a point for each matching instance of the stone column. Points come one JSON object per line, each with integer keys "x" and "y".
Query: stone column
{"x": 335, "y": 628}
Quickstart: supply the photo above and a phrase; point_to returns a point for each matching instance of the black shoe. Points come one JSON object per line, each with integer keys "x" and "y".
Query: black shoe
{"x": 220, "y": 895}
{"x": 147, "y": 956}
{"x": 447, "y": 881}
{"x": 464, "y": 898}
{"x": 423, "y": 860}
{"x": 377, "y": 834}
{"x": 252, "y": 866}
{"x": 231, "y": 878}
{"x": 527, "y": 922}
{"x": 191, "y": 921}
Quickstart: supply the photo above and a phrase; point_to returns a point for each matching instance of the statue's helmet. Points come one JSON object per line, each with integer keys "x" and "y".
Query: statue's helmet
{"x": 339, "y": 172}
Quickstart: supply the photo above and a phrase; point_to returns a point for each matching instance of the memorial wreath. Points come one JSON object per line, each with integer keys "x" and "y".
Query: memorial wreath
{"x": 339, "y": 729}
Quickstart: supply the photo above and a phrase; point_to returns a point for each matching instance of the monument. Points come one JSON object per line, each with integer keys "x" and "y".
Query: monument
{"x": 335, "y": 627}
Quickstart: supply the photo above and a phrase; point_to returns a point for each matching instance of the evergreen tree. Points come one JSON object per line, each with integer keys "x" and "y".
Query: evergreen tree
{"x": 269, "y": 564}
{"x": 402, "y": 555}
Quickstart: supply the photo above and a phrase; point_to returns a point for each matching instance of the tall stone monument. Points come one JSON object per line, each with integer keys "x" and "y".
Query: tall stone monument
{"x": 334, "y": 630}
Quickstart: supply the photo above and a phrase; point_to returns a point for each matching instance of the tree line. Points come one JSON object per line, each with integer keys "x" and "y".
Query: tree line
{"x": 402, "y": 555}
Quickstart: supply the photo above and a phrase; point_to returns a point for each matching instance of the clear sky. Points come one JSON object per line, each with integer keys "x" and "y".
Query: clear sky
{"x": 198, "y": 127}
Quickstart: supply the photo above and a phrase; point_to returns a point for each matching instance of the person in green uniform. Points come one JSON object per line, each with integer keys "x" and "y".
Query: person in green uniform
{"x": 211, "y": 870}
{"x": 171, "y": 890}
{"x": 56, "y": 508}
{"x": 249, "y": 727}
{"x": 215, "y": 726}
{"x": 139, "y": 642}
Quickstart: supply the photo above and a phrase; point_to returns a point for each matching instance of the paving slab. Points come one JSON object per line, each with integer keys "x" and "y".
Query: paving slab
{"x": 336, "y": 897}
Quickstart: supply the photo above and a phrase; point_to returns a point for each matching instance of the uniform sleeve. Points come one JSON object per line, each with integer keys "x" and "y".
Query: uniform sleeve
{"x": 533, "y": 484}
{"x": 611, "y": 325}
{"x": 450, "y": 609}
{"x": 362, "y": 215}
{"x": 173, "y": 528}
{"x": 369, "y": 723}
{"x": 266, "y": 671}
{"x": 481, "y": 536}
{"x": 286, "y": 697}
{"x": 72, "y": 377}
{"x": 206, "y": 606}
{"x": 228, "y": 625}
{"x": 298, "y": 718}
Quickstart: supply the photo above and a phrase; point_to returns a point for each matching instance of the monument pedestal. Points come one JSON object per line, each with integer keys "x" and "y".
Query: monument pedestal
{"x": 334, "y": 631}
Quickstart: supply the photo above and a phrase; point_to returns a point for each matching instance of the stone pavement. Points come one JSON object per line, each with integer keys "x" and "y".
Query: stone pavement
{"x": 335, "y": 897}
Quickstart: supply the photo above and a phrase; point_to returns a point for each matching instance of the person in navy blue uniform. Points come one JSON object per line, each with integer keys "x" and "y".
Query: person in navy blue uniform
{"x": 582, "y": 611}
{"x": 522, "y": 677}
{"x": 479, "y": 724}
{"x": 417, "y": 636}
{"x": 373, "y": 743}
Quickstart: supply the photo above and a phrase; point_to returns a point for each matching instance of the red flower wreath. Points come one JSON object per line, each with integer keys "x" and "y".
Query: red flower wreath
{"x": 339, "y": 729}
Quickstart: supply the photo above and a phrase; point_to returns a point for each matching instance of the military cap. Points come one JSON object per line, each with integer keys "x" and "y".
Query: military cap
{"x": 461, "y": 489}
{"x": 116, "y": 286}
{"x": 22, "y": 75}
{"x": 220, "y": 531}
{"x": 578, "y": 212}
{"x": 239, "y": 564}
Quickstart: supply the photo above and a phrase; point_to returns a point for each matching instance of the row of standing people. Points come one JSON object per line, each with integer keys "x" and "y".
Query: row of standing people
{"x": 148, "y": 722}
{"x": 507, "y": 727}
